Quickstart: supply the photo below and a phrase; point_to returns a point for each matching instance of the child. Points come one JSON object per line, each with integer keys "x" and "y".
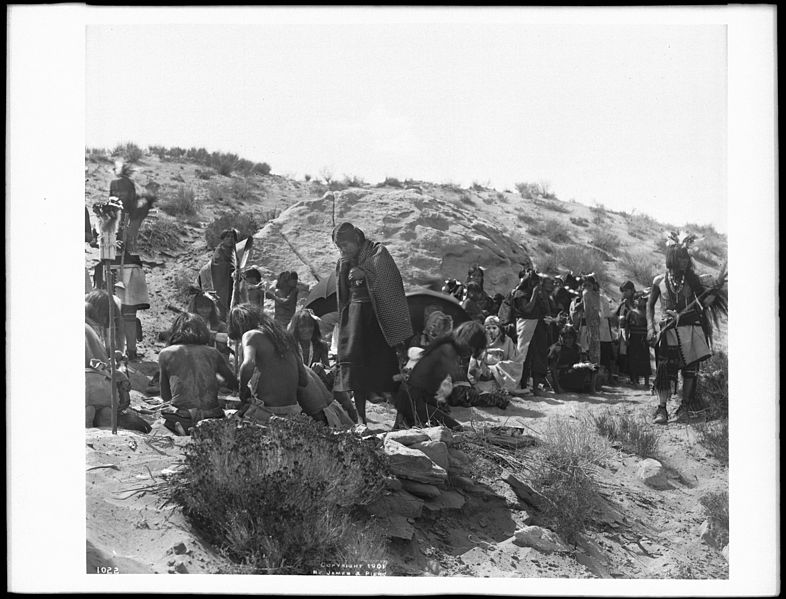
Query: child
{"x": 254, "y": 288}
{"x": 206, "y": 306}
{"x": 285, "y": 297}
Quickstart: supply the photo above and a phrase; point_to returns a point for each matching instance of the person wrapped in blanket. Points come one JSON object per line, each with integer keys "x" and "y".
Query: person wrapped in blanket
{"x": 634, "y": 350}
{"x": 568, "y": 364}
{"x": 205, "y": 303}
{"x": 189, "y": 367}
{"x": 682, "y": 341}
{"x": 498, "y": 370}
{"x": 98, "y": 374}
{"x": 476, "y": 302}
{"x": 313, "y": 351}
{"x": 374, "y": 322}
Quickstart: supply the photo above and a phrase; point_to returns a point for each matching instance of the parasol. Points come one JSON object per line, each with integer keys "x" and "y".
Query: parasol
{"x": 420, "y": 299}
{"x": 322, "y": 297}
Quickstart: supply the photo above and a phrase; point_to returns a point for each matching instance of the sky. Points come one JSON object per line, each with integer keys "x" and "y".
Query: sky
{"x": 633, "y": 117}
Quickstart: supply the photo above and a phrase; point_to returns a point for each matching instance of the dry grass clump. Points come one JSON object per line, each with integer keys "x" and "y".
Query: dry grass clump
{"x": 244, "y": 190}
{"x": 159, "y": 235}
{"x": 565, "y": 467}
{"x": 716, "y": 506}
{"x": 579, "y": 221}
{"x": 391, "y": 182}
{"x": 554, "y": 206}
{"x": 599, "y": 214}
{"x": 552, "y": 229}
{"x": 98, "y": 154}
{"x": 526, "y": 218}
{"x": 642, "y": 268}
{"x": 634, "y": 434}
{"x": 281, "y": 498}
{"x": 180, "y": 203}
{"x": 714, "y": 384}
{"x": 581, "y": 261}
{"x": 641, "y": 226}
{"x": 130, "y": 152}
{"x": 605, "y": 240}
{"x": 714, "y": 437}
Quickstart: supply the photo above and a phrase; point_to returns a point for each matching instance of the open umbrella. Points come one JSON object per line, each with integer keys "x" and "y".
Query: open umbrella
{"x": 322, "y": 297}
{"x": 420, "y": 299}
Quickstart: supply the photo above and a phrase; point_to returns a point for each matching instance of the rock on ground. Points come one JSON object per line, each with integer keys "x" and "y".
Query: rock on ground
{"x": 542, "y": 539}
{"x": 436, "y": 450}
{"x": 407, "y": 437}
{"x": 653, "y": 474}
{"x": 420, "y": 489}
{"x": 413, "y": 464}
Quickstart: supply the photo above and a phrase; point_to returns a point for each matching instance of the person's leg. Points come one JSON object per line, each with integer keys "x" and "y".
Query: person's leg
{"x": 344, "y": 399}
{"x": 667, "y": 357}
{"x": 689, "y": 387}
{"x": 539, "y": 350}
{"x": 360, "y": 403}
{"x": 129, "y": 330}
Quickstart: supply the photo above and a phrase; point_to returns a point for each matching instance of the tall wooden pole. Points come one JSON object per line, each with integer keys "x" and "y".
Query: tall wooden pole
{"x": 111, "y": 349}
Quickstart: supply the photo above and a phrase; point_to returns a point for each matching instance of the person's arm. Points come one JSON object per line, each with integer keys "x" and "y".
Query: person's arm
{"x": 163, "y": 366}
{"x": 654, "y": 295}
{"x": 247, "y": 367}
{"x": 225, "y": 372}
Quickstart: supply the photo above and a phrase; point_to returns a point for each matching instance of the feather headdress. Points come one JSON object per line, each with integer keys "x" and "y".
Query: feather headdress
{"x": 680, "y": 239}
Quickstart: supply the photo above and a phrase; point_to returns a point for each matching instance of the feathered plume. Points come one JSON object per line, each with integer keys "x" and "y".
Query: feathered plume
{"x": 718, "y": 295}
{"x": 681, "y": 239}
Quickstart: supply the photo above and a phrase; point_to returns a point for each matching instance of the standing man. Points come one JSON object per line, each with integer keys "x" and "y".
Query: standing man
{"x": 532, "y": 330}
{"x": 374, "y": 322}
{"x": 681, "y": 343}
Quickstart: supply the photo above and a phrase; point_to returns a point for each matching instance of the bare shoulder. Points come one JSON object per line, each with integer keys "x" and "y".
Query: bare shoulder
{"x": 166, "y": 354}
{"x": 658, "y": 280}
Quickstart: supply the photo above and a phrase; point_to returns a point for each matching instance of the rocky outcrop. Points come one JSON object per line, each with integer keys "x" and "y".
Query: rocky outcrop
{"x": 653, "y": 474}
{"x": 428, "y": 237}
{"x": 539, "y": 538}
{"x": 413, "y": 464}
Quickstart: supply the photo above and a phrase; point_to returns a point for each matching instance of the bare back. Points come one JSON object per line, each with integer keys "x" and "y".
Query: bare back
{"x": 188, "y": 375}
{"x": 279, "y": 377}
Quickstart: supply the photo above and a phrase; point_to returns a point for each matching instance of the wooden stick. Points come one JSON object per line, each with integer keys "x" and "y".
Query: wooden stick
{"x": 110, "y": 290}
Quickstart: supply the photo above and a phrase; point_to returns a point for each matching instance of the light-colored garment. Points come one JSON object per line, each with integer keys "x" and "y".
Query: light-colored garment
{"x": 525, "y": 329}
{"x": 336, "y": 416}
{"x": 259, "y": 412}
{"x": 135, "y": 292}
{"x": 692, "y": 343}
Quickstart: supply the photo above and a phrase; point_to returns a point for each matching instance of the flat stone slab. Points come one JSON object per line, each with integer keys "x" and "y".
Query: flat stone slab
{"x": 413, "y": 464}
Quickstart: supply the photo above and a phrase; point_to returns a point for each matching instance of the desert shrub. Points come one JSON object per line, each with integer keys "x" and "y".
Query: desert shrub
{"x": 579, "y": 260}
{"x": 579, "y": 221}
{"x": 545, "y": 246}
{"x": 261, "y": 168}
{"x": 713, "y": 245}
{"x": 337, "y": 185}
{"x": 176, "y": 152}
{"x": 605, "y": 240}
{"x": 205, "y": 174}
{"x": 354, "y": 181}
{"x": 159, "y": 235}
{"x": 526, "y": 218}
{"x": 477, "y": 186}
{"x": 455, "y": 188}
{"x": 244, "y": 167}
{"x": 391, "y": 182}
{"x": 641, "y": 225}
{"x": 714, "y": 436}
{"x": 634, "y": 434}
{"x": 554, "y": 206}
{"x": 528, "y": 191}
{"x": 159, "y": 151}
{"x": 703, "y": 256}
{"x": 223, "y": 163}
{"x": 318, "y": 188}
{"x": 243, "y": 190}
{"x": 501, "y": 197}
{"x": 547, "y": 263}
{"x": 552, "y": 229}
{"x": 466, "y": 199}
{"x": 716, "y": 506}
{"x": 280, "y": 498}
{"x": 599, "y": 214}
{"x": 180, "y": 203}
{"x": 182, "y": 280}
{"x": 642, "y": 268}
{"x": 217, "y": 192}
{"x": 130, "y": 152}
{"x": 489, "y": 200}
{"x": 98, "y": 154}
{"x": 564, "y": 469}
{"x": 245, "y": 222}
{"x": 307, "y": 177}
{"x": 714, "y": 384}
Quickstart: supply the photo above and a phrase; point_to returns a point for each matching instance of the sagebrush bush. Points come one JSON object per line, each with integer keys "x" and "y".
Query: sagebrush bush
{"x": 354, "y": 181}
{"x": 243, "y": 190}
{"x": 204, "y": 174}
{"x": 466, "y": 199}
{"x": 641, "y": 226}
{"x": 98, "y": 154}
{"x": 581, "y": 260}
{"x": 130, "y": 152}
{"x": 565, "y": 464}
{"x": 245, "y": 222}
{"x": 477, "y": 186}
{"x": 713, "y": 386}
{"x": 642, "y": 268}
{"x": 605, "y": 240}
{"x": 554, "y": 206}
{"x": 182, "y": 202}
{"x": 634, "y": 434}
{"x": 579, "y": 221}
{"x": 281, "y": 497}
{"x": 528, "y": 191}
{"x": 391, "y": 182}
{"x": 526, "y": 218}
{"x": 552, "y": 229}
{"x": 599, "y": 214}
{"x": 159, "y": 235}
{"x": 714, "y": 436}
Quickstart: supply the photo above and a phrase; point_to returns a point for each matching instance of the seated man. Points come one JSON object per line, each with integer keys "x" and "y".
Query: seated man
{"x": 189, "y": 365}
{"x": 98, "y": 375}
{"x": 563, "y": 358}
{"x": 416, "y": 400}
{"x": 270, "y": 352}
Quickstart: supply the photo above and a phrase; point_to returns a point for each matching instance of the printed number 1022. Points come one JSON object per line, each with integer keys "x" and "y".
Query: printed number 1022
{"x": 107, "y": 570}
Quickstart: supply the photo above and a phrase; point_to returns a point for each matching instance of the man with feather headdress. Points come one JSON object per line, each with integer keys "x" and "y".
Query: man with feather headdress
{"x": 683, "y": 341}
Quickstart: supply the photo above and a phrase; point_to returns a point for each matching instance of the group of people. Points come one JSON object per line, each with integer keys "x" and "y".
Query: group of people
{"x": 552, "y": 332}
